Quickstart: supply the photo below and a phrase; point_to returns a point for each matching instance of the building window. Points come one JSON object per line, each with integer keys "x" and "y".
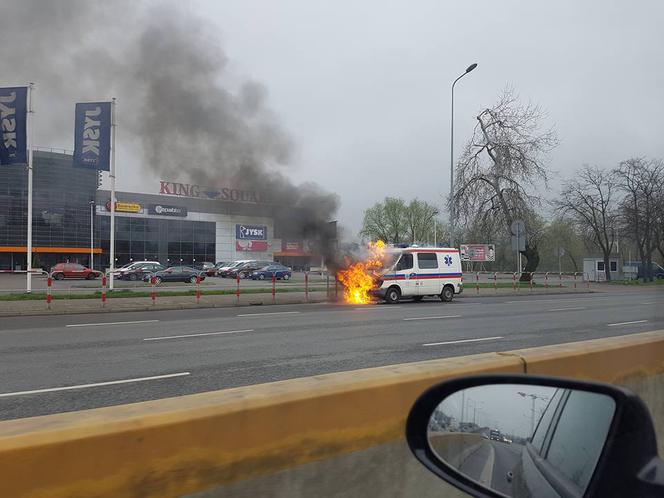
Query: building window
{"x": 614, "y": 265}
{"x": 600, "y": 266}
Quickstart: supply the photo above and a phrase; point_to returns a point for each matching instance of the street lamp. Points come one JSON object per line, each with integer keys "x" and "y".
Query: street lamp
{"x": 92, "y": 234}
{"x": 452, "y": 210}
{"x": 532, "y": 397}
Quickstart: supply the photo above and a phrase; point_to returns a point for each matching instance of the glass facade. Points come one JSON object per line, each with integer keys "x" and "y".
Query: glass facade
{"x": 61, "y": 211}
{"x": 165, "y": 240}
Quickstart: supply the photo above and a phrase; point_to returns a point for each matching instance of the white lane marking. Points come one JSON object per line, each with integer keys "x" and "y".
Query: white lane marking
{"x": 271, "y": 313}
{"x": 431, "y": 317}
{"x": 97, "y": 384}
{"x": 550, "y": 300}
{"x": 463, "y": 340}
{"x": 651, "y": 302}
{"x": 625, "y": 323}
{"x": 163, "y": 337}
{"x": 568, "y": 309}
{"x": 109, "y": 323}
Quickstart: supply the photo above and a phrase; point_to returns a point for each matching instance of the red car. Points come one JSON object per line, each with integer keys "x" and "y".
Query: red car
{"x": 72, "y": 270}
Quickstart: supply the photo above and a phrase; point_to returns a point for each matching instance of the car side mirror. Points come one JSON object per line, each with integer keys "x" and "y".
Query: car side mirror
{"x": 530, "y": 436}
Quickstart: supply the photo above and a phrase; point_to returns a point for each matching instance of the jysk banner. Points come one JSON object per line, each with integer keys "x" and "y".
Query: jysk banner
{"x": 252, "y": 238}
{"x": 13, "y": 122}
{"x": 92, "y": 136}
{"x": 250, "y": 232}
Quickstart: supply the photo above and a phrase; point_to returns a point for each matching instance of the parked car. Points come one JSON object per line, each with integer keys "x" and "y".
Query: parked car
{"x": 245, "y": 270}
{"x": 137, "y": 272}
{"x": 656, "y": 271}
{"x": 72, "y": 270}
{"x": 279, "y": 271}
{"x": 118, "y": 272}
{"x": 176, "y": 274}
{"x": 208, "y": 268}
{"x": 224, "y": 271}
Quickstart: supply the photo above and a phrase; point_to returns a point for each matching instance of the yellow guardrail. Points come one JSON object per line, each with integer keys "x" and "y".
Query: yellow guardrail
{"x": 191, "y": 443}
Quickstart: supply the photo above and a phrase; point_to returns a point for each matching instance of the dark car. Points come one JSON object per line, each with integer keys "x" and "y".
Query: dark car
{"x": 208, "y": 268}
{"x": 656, "y": 271}
{"x": 562, "y": 445}
{"x": 245, "y": 270}
{"x": 176, "y": 274}
{"x": 137, "y": 272}
{"x": 495, "y": 436}
{"x": 279, "y": 271}
{"x": 72, "y": 270}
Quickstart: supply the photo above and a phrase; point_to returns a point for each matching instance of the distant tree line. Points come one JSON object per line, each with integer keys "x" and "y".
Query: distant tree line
{"x": 498, "y": 180}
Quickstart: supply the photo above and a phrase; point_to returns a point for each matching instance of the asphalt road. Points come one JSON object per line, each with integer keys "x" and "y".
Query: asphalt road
{"x": 57, "y": 363}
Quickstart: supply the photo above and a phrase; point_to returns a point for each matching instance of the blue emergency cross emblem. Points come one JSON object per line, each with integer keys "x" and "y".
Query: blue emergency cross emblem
{"x": 448, "y": 260}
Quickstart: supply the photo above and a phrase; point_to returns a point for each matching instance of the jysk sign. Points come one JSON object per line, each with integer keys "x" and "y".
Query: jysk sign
{"x": 252, "y": 238}
{"x": 92, "y": 136}
{"x": 250, "y": 232}
{"x": 13, "y": 122}
{"x": 164, "y": 210}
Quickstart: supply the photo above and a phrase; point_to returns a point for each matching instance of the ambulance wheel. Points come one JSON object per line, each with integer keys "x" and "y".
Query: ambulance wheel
{"x": 393, "y": 295}
{"x": 417, "y": 299}
{"x": 447, "y": 294}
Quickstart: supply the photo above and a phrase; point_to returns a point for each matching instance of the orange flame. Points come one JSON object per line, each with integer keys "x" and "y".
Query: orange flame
{"x": 359, "y": 278}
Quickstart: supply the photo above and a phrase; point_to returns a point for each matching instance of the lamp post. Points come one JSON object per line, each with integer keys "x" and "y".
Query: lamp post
{"x": 532, "y": 397}
{"x": 92, "y": 234}
{"x": 452, "y": 210}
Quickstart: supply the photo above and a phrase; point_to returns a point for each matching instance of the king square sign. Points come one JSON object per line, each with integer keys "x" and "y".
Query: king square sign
{"x": 252, "y": 238}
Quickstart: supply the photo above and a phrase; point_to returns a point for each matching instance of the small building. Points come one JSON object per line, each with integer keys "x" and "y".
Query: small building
{"x": 594, "y": 271}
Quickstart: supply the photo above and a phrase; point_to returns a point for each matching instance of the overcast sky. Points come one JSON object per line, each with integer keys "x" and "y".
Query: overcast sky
{"x": 363, "y": 87}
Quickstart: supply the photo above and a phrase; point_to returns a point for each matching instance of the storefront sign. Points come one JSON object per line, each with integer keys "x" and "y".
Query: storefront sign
{"x": 251, "y": 245}
{"x": 164, "y": 210}
{"x": 478, "y": 252}
{"x": 125, "y": 207}
{"x": 201, "y": 192}
{"x": 250, "y": 232}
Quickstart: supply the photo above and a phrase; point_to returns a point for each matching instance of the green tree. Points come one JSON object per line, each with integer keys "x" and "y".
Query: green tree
{"x": 396, "y": 222}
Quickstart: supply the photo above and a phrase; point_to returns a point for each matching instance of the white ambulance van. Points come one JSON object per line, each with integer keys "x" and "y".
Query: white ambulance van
{"x": 422, "y": 271}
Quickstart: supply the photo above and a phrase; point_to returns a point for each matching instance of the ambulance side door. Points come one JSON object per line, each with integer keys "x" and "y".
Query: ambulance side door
{"x": 427, "y": 270}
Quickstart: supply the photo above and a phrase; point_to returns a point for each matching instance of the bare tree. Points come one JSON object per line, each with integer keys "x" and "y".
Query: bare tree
{"x": 501, "y": 167}
{"x": 420, "y": 218}
{"x": 642, "y": 181}
{"x": 590, "y": 201}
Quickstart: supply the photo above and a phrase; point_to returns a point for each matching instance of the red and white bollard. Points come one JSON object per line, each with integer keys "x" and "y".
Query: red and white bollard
{"x": 532, "y": 275}
{"x": 237, "y": 292}
{"x": 514, "y": 282}
{"x": 477, "y": 282}
{"x": 495, "y": 281}
{"x": 274, "y": 287}
{"x": 153, "y": 292}
{"x": 560, "y": 280}
{"x": 546, "y": 280}
{"x": 198, "y": 289}
{"x": 103, "y": 291}
{"x": 306, "y": 286}
{"x": 49, "y": 298}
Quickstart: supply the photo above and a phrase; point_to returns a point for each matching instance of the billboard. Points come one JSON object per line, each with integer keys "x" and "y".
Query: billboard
{"x": 164, "y": 210}
{"x": 92, "y": 136}
{"x": 13, "y": 124}
{"x": 252, "y": 238}
{"x": 478, "y": 252}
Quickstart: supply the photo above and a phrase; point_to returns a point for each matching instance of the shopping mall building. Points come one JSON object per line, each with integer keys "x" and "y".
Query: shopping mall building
{"x": 178, "y": 223}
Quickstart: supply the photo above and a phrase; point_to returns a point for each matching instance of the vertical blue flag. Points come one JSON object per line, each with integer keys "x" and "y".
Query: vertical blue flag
{"x": 92, "y": 136}
{"x": 13, "y": 122}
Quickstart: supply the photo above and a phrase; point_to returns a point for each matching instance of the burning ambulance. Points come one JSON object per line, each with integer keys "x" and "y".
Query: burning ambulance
{"x": 395, "y": 273}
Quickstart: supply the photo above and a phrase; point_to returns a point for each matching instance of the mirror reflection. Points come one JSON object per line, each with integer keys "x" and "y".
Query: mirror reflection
{"x": 523, "y": 440}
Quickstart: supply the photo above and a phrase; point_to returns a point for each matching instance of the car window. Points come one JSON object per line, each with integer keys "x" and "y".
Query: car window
{"x": 427, "y": 260}
{"x": 545, "y": 421}
{"x": 405, "y": 262}
{"x": 580, "y": 434}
